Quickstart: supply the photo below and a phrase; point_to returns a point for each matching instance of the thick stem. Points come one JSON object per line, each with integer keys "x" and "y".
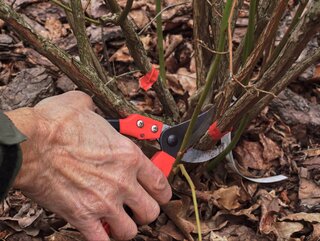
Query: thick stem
{"x": 84, "y": 78}
{"x": 212, "y": 72}
{"x": 201, "y": 34}
{"x": 307, "y": 27}
{"x": 139, "y": 55}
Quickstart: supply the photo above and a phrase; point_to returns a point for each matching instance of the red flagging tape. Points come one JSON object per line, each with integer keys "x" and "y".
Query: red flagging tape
{"x": 214, "y": 132}
{"x": 149, "y": 79}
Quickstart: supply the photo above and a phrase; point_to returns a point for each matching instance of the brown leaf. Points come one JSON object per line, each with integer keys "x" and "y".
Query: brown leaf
{"x": 271, "y": 150}
{"x": 316, "y": 233}
{"x": 309, "y": 192}
{"x": 286, "y": 229}
{"x": 270, "y": 205}
{"x": 308, "y": 217}
{"x": 240, "y": 233}
{"x": 187, "y": 80}
{"x": 249, "y": 155}
{"x": 171, "y": 230}
{"x": 177, "y": 212}
{"x": 139, "y": 17}
{"x": 122, "y": 55}
{"x": 227, "y": 198}
{"x": 55, "y": 28}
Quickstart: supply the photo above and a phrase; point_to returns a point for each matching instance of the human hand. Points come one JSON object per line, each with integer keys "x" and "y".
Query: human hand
{"x": 76, "y": 165}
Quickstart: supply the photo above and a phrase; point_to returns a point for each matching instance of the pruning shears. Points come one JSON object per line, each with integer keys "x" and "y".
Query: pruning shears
{"x": 169, "y": 137}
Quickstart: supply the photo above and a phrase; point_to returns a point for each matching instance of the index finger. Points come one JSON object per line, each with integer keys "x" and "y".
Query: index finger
{"x": 154, "y": 181}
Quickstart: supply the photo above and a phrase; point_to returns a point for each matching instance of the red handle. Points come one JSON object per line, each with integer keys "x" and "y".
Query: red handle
{"x": 141, "y": 127}
{"x": 163, "y": 161}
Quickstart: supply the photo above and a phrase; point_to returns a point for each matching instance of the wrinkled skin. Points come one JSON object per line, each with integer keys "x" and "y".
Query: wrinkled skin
{"x": 78, "y": 166}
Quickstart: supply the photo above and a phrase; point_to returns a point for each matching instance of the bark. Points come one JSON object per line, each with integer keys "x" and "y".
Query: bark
{"x": 82, "y": 76}
{"x": 201, "y": 34}
{"x": 224, "y": 97}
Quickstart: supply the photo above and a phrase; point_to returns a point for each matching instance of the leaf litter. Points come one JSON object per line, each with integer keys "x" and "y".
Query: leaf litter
{"x": 280, "y": 140}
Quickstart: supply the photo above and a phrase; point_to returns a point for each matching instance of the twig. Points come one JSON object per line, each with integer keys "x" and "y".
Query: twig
{"x": 307, "y": 27}
{"x": 86, "y": 79}
{"x": 66, "y": 8}
{"x": 141, "y": 59}
{"x": 160, "y": 42}
{"x": 125, "y": 12}
{"x": 158, "y": 14}
{"x": 79, "y": 30}
{"x": 223, "y": 100}
{"x": 202, "y": 44}
{"x": 252, "y": 86}
{"x": 283, "y": 41}
{"x": 291, "y": 75}
{"x": 194, "y": 199}
{"x": 230, "y": 38}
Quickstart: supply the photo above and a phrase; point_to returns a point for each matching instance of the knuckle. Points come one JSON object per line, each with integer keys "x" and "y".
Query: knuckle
{"x": 131, "y": 153}
{"x": 162, "y": 189}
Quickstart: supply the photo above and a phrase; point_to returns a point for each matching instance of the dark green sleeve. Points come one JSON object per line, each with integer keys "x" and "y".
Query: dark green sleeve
{"x": 10, "y": 153}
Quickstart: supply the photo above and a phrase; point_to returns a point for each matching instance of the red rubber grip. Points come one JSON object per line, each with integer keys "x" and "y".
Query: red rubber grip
{"x": 163, "y": 161}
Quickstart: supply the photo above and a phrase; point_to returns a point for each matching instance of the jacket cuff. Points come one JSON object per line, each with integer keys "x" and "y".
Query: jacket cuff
{"x": 10, "y": 153}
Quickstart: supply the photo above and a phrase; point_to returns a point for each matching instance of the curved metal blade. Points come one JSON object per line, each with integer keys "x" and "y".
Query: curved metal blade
{"x": 278, "y": 178}
{"x": 198, "y": 156}
{"x": 203, "y": 122}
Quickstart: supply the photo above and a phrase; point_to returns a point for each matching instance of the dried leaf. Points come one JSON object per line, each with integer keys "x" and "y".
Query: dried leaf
{"x": 139, "y": 17}
{"x": 187, "y": 80}
{"x": 227, "y": 198}
{"x": 315, "y": 234}
{"x": 122, "y": 55}
{"x": 309, "y": 192}
{"x": 55, "y": 28}
{"x": 271, "y": 150}
{"x": 308, "y": 217}
{"x": 270, "y": 205}
{"x": 177, "y": 212}
{"x": 286, "y": 229}
{"x": 249, "y": 155}
{"x": 171, "y": 230}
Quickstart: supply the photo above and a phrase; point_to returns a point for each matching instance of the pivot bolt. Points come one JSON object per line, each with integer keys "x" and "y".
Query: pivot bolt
{"x": 172, "y": 140}
{"x": 140, "y": 123}
{"x": 154, "y": 128}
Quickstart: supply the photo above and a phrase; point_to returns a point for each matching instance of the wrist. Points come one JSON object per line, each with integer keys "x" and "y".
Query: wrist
{"x": 29, "y": 124}
{"x": 25, "y": 121}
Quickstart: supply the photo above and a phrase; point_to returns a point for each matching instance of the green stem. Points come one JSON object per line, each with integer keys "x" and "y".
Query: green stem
{"x": 209, "y": 79}
{"x": 248, "y": 45}
{"x": 194, "y": 199}
{"x": 243, "y": 123}
{"x": 160, "y": 41}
